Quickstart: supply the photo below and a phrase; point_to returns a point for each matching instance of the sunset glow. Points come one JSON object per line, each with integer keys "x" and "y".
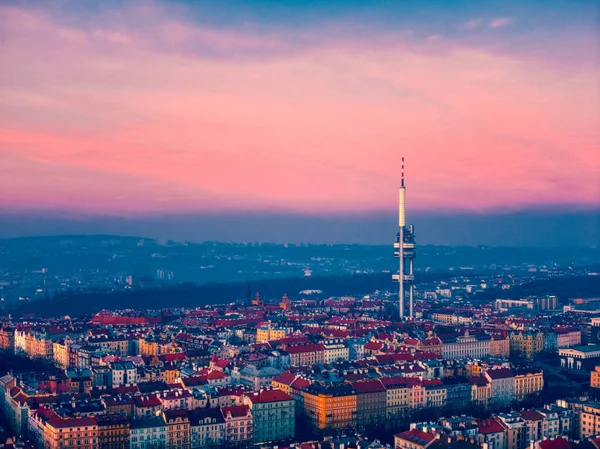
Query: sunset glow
{"x": 145, "y": 107}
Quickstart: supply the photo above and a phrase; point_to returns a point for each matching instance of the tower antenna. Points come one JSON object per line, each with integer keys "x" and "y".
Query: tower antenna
{"x": 402, "y": 171}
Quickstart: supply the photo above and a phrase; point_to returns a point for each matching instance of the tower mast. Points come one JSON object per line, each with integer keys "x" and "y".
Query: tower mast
{"x": 405, "y": 251}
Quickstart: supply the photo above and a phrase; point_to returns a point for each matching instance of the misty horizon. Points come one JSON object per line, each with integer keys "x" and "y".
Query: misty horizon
{"x": 577, "y": 227}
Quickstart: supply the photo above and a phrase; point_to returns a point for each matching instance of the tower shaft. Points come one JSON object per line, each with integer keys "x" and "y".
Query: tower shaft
{"x": 405, "y": 251}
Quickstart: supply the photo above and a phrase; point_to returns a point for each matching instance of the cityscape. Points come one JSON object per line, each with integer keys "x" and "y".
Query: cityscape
{"x": 305, "y": 370}
{"x": 196, "y": 200}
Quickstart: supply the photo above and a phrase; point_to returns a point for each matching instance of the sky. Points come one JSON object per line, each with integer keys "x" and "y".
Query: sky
{"x": 136, "y": 108}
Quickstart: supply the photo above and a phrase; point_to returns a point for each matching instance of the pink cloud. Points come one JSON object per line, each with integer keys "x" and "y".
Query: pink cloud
{"x": 472, "y": 24}
{"x": 146, "y": 118}
{"x": 500, "y": 22}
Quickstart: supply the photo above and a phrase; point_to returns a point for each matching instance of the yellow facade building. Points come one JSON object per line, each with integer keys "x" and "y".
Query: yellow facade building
{"x": 267, "y": 332}
{"x": 595, "y": 378}
{"x": 526, "y": 344}
{"x": 528, "y": 384}
{"x": 331, "y": 407}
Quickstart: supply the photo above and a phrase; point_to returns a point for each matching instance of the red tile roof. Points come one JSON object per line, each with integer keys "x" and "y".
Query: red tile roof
{"x": 237, "y": 411}
{"x": 499, "y": 373}
{"x": 415, "y": 436}
{"x": 285, "y": 378}
{"x": 487, "y": 426}
{"x": 172, "y": 357}
{"x": 374, "y": 345}
{"x": 300, "y": 384}
{"x": 305, "y": 348}
{"x": 269, "y": 395}
{"x": 558, "y": 443}
{"x": 58, "y": 422}
{"x": 480, "y": 381}
{"x": 532, "y": 415}
{"x": 147, "y": 401}
{"x": 368, "y": 386}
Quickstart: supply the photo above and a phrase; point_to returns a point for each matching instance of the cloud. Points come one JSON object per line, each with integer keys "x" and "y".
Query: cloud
{"x": 151, "y": 106}
{"x": 500, "y": 22}
{"x": 472, "y": 24}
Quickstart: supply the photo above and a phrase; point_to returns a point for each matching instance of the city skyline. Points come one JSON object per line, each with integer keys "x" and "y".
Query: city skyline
{"x": 133, "y": 108}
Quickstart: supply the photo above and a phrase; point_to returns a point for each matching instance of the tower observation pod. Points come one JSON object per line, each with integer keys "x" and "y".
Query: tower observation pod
{"x": 404, "y": 250}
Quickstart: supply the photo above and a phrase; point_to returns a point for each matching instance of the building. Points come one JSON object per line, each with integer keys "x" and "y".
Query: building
{"x": 514, "y": 305}
{"x": 502, "y": 382}
{"x": 274, "y": 415}
{"x": 113, "y": 431}
{"x": 492, "y": 433}
{"x": 499, "y": 345}
{"x": 516, "y": 430}
{"x": 589, "y": 420}
{"x": 466, "y": 346}
{"x": 178, "y": 428}
{"x": 435, "y": 393}
{"x": 76, "y": 433}
{"x": 207, "y": 428}
{"x": 177, "y": 399}
{"x": 546, "y": 303}
{"x": 238, "y": 425}
{"x": 398, "y": 394}
{"x": 81, "y": 380}
{"x": 567, "y": 338}
{"x": 580, "y": 358}
{"x": 336, "y": 351}
{"x": 148, "y": 433}
{"x": 33, "y": 344}
{"x": 527, "y": 343}
{"x": 146, "y": 406}
{"x": 285, "y": 303}
{"x": 306, "y": 354}
{"x": 255, "y": 378}
{"x": 123, "y": 373}
{"x": 528, "y": 384}
{"x": 459, "y": 391}
{"x": 330, "y": 406}
{"x": 481, "y": 390}
{"x": 371, "y": 401}
{"x": 60, "y": 353}
{"x": 267, "y": 332}
{"x": 595, "y": 377}
{"x": 7, "y": 338}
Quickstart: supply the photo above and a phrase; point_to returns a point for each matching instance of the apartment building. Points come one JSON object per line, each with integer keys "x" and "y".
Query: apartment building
{"x": 466, "y": 346}
{"x": 268, "y": 332}
{"x": 595, "y": 377}
{"x": 148, "y": 433}
{"x": 113, "y": 431}
{"x": 274, "y": 415}
{"x": 238, "y": 425}
{"x": 336, "y": 351}
{"x": 330, "y": 406}
{"x": 527, "y": 384}
{"x": 371, "y": 400}
{"x": 502, "y": 385}
{"x": 178, "y": 428}
{"x": 306, "y": 354}
{"x": 526, "y": 343}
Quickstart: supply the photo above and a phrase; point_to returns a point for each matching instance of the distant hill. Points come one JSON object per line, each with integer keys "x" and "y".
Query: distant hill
{"x": 192, "y": 295}
{"x": 562, "y": 288}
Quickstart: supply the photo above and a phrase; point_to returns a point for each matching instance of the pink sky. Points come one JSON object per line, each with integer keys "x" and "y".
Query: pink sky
{"x": 128, "y": 115}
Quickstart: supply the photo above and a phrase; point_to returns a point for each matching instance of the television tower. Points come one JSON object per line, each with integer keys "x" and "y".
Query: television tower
{"x": 404, "y": 250}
